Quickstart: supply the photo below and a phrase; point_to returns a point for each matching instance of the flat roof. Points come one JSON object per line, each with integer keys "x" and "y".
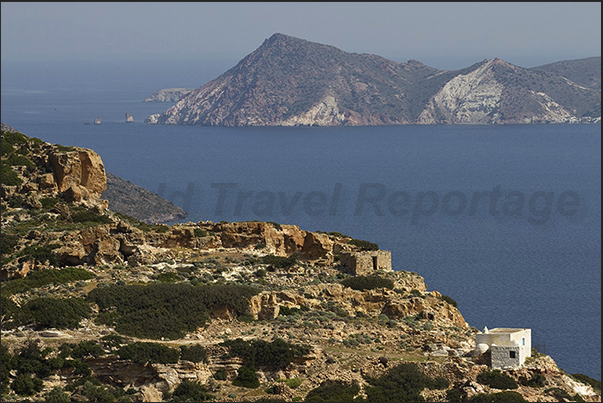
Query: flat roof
{"x": 506, "y": 330}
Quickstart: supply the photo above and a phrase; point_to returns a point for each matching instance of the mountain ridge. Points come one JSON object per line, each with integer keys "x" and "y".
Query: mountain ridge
{"x": 291, "y": 81}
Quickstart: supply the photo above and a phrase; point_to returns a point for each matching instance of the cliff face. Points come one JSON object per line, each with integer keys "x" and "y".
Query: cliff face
{"x": 289, "y": 81}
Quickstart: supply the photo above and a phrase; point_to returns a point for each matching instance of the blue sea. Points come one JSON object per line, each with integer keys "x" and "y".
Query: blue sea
{"x": 506, "y": 220}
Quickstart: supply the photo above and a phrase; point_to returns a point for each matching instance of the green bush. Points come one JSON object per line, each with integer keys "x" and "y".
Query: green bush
{"x": 169, "y": 277}
{"x": 279, "y": 262}
{"x": 25, "y": 385}
{"x": 191, "y": 391}
{"x": 41, "y": 253}
{"x": 57, "y": 395}
{"x": 246, "y": 377}
{"x": 277, "y": 354}
{"x": 199, "y": 233}
{"x": 195, "y": 353}
{"x": 449, "y": 300}
{"x": 39, "y": 278}
{"x": 166, "y": 310}
{"x": 333, "y": 391}
{"x": 143, "y": 353}
{"x": 8, "y": 176}
{"x": 362, "y": 283}
{"x": 506, "y": 396}
{"x": 221, "y": 374}
{"x": 365, "y": 245}
{"x": 59, "y": 313}
{"x": 497, "y": 379}
{"x": 402, "y": 383}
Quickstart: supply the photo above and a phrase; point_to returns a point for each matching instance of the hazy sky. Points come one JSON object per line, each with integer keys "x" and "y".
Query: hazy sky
{"x": 445, "y": 35}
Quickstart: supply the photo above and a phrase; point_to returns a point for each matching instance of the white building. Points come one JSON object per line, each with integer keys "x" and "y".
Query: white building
{"x": 508, "y": 347}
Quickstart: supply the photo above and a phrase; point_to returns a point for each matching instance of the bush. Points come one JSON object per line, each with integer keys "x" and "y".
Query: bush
{"x": 279, "y": 262}
{"x": 365, "y": 245}
{"x": 57, "y": 395}
{"x": 221, "y": 375}
{"x": 276, "y": 355}
{"x": 191, "y": 391}
{"x": 25, "y": 385}
{"x": 143, "y": 353}
{"x": 59, "y": 313}
{"x": 41, "y": 278}
{"x": 247, "y": 377}
{"x": 195, "y": 353}
{"x": 497, "y": 379}
{"x": 449, "y": 300}
{"x": 507, "y": 396}
{"x": 362, "y": 283}
{"x": 333, "y": 391}
{"x": 199, "y": 233}
{"x": 402, "y": 383}
{"x": 166, "y": 310}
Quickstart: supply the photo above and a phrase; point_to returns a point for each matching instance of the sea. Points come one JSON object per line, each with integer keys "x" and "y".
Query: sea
{"x": 506, "y": 220}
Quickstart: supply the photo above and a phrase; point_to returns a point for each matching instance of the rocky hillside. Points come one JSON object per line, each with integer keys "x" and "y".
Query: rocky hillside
{"x": 585, "y": 72}
{"x": 168, "y": 95}
{"x": 98, "y": 306}
{"x": 135, "y": 201}
{"x": 289, "y": 81}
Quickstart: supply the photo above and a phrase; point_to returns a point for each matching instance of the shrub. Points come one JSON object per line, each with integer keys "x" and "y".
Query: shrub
{"x": 8, "y": 176}
{"x": 402, "y": 383}
{"x": 166, "y": 310}
{"x": 279, "y": 262}
{"x": 142, "y": 353}
{"x": 169, "y": 277}
{"x": 199, "y": 233}
{"x": 195, "y": 353}
{"x": 362, "y": 283}
{"x": 293, "y": 383}
{"x": 25, "y": 385}
{"x": 365, "y": 245}
{"x": 41, "y": 253}
{"x": 277, "y": 354}
{"x": 449, "y": 300}
{"x": 247, "y": 377}
{"x": 221, "y": 374}
{"x": 191, "y": 391}
{"x": 57, "y": 395}
{"x": 41, "y": 278}
{"x": 333, "y": 391}
{"x": 59, "y": 313}
{"x": 536, "y": 381}
{"x": 497, "y": 379}
{"x": 86, "y": 348}
{"x": 507, "y": 396}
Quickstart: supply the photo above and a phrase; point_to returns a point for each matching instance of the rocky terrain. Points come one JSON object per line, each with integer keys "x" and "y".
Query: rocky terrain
{"x": 99, "y": 306}
{"x": 135, "y": 201}
{"x": 168, "y": 95}
{"x": 288, "y": 81}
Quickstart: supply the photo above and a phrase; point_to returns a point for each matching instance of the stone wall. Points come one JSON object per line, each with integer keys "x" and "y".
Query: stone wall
{"x": 365, "y": 262}
{"x": 504, "y": 357}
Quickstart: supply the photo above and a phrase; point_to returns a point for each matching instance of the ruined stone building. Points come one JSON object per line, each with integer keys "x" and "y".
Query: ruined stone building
{"x": 365, "y": 262}
{"x": 508, "y": 348}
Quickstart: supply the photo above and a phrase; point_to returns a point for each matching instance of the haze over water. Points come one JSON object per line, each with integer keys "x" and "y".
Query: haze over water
{"x": 540, "y": 269}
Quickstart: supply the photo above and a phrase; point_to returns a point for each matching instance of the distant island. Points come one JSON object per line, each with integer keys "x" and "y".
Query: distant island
{"x": 289, "y": 81}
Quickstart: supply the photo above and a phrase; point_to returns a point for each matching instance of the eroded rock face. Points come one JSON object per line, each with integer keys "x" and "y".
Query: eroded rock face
{"x": 81, "y": 170}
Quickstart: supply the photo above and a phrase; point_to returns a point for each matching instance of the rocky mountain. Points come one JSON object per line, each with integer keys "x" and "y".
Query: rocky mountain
{"x": 585, "y": 72}
{"x": 99, "y": 306}
{"x": 168, "y": 95}
{"x": 135, "y": 201}
{"x": 289, "y": 81}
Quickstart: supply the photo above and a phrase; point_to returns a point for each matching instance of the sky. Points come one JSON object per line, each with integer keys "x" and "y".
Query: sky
{"x": 444, "y": 35}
